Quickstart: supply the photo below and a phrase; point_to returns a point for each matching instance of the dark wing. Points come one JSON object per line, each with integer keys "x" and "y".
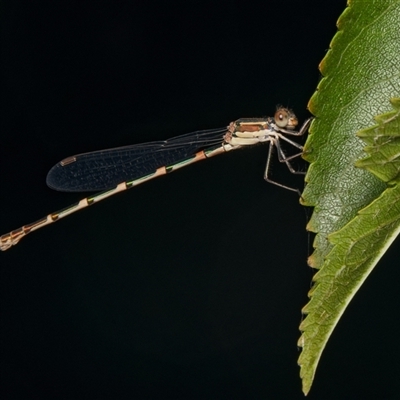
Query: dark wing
{"x": 104, "y": 169}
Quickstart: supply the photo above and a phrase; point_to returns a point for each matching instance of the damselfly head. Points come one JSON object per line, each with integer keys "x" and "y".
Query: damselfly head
{"x": 285, "y": 118}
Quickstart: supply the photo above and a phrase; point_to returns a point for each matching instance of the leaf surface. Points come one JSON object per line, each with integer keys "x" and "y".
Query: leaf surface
{"x": 361, "y": 74}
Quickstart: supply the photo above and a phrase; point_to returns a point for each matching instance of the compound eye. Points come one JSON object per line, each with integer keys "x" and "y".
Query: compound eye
{"x": 282, "y": 117}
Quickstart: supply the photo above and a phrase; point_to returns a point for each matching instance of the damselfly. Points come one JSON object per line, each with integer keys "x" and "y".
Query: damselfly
{"x": 115, "y": 170}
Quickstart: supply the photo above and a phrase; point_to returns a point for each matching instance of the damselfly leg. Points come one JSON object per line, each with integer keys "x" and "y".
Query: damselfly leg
{"x": 275, "y": 142}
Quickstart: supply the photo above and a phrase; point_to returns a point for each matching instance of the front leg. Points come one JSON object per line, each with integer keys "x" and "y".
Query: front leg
{"x": 302, "y": 130}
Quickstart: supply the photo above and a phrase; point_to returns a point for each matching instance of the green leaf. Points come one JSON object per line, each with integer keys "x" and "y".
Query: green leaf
{"x": 361, "y": 73}
{"x": 359, "y": 245}
{"x": 383, "y": 145}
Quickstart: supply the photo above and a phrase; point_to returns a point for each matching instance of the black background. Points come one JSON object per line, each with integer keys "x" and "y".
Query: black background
{"x": 190, "y": 286}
